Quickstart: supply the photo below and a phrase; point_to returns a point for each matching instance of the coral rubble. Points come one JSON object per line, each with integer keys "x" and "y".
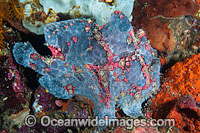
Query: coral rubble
{"x": 112, "y": 65}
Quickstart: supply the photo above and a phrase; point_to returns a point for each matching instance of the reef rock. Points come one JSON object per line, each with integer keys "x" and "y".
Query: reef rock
{"x": 184, "y": 110}
{"x": 172, "y": 101}
{"x": 110, "y": 64}
{"x": 44, "y": 102}
{"x": 182, "y": 79}
{"x": 155, "y": 15}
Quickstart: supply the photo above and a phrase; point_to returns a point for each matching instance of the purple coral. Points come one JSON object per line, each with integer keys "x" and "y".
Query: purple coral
{"x": 110, "y": 64}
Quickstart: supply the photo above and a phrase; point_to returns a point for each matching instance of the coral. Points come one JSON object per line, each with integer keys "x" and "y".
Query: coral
{"x": 12, "y": 85}
{"x": 18, "y": 118}
{"x": 197, "y": 16}
{"x": 196, "y": 45}
{"x": 99, "y": 11}
{"x": 162, "y": 61}
{"x": 144, "y": 130}
{"x": 13, "y": 12}
{"x": 51, "y": 16}
{"x": 182, "y": 79}
{"x": 42, "y": 12}
{"x": 174, "y": 8}
{"x": 35, "y": 18}
{"x": 139, "y": 129}
{"x": 197, "y": 1}
{"x": 186, "y": 30}
{"x": 14, "y": 94}
{"x": 155, "y": 17}
{"x": 38, "y": 127}
{"x": 2, "y": 45}
{"x": 184, "y": 110}
{"x": 110, "y": 2}
{"x": 162, "y": 37}
{"x": 44, "y": 102}
{"x": 78, "y": 107}
{"x": 172, "y": 100}
{"x": 110, "y": 64}
{"x": 11, "y": 9}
